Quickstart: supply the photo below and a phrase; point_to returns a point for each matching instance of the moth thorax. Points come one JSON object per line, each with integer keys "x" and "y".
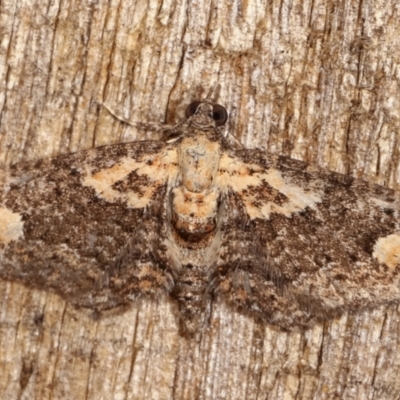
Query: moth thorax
{"x": 194, "y": 215}
{"x": 199, "y": 161}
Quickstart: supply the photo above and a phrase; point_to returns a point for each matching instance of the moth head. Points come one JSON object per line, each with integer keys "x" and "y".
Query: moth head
{"x": 205, "y": 115}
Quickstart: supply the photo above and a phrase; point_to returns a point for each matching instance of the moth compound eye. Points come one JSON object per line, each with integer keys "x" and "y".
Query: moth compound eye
{"x": 192, "y": 108}
{"x": 220, "y": 115}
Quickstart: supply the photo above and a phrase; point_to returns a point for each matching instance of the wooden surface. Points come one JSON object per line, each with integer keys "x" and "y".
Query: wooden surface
{"x": 315, "y": 80}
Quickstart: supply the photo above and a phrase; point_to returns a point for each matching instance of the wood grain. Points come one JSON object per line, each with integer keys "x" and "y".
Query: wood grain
{"x": 314, "y": 80}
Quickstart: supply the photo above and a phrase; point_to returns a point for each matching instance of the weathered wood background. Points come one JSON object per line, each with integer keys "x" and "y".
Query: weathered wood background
{"x": 316, "y": 80}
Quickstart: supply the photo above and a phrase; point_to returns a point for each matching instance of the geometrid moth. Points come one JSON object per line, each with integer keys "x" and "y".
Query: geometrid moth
{"x": 191, "y": 218}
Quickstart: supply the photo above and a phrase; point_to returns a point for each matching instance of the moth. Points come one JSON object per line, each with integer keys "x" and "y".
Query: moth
{"x": 190, "y": 218}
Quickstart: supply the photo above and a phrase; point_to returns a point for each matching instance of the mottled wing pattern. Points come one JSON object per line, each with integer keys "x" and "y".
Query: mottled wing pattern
{"x": 78, "y": 223}
{"x": 301, "y": 243}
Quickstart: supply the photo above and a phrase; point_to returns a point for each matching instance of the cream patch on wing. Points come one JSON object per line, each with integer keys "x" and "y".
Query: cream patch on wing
{"x": 382, "y": 203}
{"x": 11, "y": 226}
{"x": 246, "y": 179}
{"x": 387, "y": 250}
{"x": 155, "y": 170}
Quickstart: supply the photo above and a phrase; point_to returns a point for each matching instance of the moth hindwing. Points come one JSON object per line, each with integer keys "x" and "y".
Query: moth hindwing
{"x": 191, "y": 218}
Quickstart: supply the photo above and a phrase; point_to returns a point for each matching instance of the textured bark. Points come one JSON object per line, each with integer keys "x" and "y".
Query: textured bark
{"x": 315, "y": 80}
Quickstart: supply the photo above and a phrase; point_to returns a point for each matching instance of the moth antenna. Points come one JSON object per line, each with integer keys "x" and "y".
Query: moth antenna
{"x": 137, "y": 124}
{"x": 213, "y": 93}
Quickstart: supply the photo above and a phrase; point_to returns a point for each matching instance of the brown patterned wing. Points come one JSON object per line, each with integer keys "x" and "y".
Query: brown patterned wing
{"x": 87, "y": 224}
{"x": 301, "y": 243}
